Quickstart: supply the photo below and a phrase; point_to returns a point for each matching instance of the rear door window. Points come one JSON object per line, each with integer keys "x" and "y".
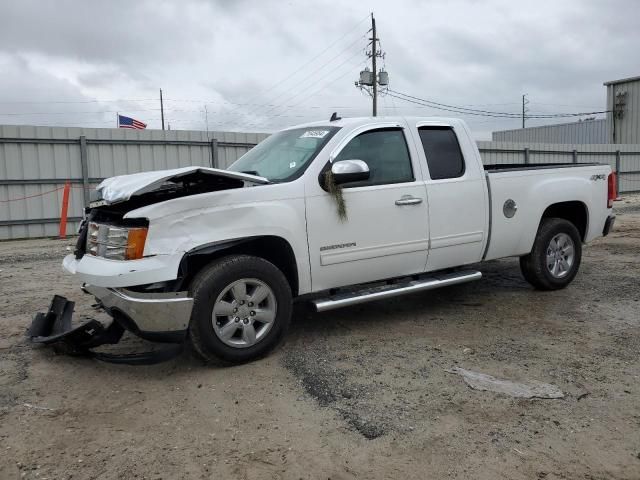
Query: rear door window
{"x": 443, "y": 153}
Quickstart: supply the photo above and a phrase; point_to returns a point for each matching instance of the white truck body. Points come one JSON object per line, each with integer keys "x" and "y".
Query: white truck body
{"x": 392, "y": 230}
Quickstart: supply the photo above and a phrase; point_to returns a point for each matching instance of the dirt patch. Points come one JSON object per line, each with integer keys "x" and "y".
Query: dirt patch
{"x": 331, "y": 384}
{"x": 361, "y": 392}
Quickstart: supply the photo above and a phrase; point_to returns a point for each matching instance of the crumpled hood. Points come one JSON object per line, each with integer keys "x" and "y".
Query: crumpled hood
{"x": 123, "y": 187}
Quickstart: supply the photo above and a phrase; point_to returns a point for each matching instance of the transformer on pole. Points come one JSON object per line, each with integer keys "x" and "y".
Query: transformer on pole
{"x": 371, "y": 80}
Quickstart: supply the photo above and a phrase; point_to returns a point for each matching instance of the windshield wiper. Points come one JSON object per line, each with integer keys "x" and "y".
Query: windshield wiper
{"x": 251, "y": 172}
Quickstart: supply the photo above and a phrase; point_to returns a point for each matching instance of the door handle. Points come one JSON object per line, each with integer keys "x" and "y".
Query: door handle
{"x": 408, "y": 200}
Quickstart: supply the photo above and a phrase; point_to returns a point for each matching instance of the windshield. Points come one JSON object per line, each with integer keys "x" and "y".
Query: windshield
{"x": 285, "y": 155}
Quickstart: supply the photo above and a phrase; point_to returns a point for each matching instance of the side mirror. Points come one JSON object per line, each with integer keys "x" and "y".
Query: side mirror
{"x": 346, "y": 171}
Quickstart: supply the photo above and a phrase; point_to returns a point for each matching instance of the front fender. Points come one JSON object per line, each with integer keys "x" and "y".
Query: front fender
{"x": 180, "y": 225}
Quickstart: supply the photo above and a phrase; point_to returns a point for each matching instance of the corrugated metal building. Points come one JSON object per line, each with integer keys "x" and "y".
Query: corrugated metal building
{"x": 623, "y": 105}
{"x": 621, "y": 126}
{"x": 586, "y": 132}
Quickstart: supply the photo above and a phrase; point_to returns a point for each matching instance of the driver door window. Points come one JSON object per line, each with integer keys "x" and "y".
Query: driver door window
{"x": 385, "y": 152}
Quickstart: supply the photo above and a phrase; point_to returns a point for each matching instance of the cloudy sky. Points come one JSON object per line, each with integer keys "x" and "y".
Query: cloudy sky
{"x": 261, "y": 65}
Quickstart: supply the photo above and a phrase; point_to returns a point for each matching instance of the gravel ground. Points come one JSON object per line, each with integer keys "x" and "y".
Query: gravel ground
{"x": 361, "y": 392}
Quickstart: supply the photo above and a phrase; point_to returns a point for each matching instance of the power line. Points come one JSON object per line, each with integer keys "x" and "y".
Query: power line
{"x": 275, "y": 106}
{"x": 284, "y": 80}
{"x": 124, "y": 100}
{"x": 446, "y": 106}
{"x": 226, "y": 102}
{"x": 303, "y": 91}
{"x": 331, "y": 82}
{"x": 489, "y": 113}
{"x": 210, "y": 102}
{"x": 314, "y": 72}
{"x": 292, "y": 74}
{"x": 155, "y": 99}
{"x": 325, "y": 85}
{"x": 489, "y": 104}
{"x": 279, "y": 83}
{"x": 270, "y": 106}
{"x": 78, "y": 101}
{"x": 316, "y": 81}
{"x": 436, "y": 107}
{"x": 175, "y": 110}
{"x": 20, "y": 114}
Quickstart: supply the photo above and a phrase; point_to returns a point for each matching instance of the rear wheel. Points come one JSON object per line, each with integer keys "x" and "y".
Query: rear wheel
{"x": 241, "y": 310}
{"x": 555, "y": 258}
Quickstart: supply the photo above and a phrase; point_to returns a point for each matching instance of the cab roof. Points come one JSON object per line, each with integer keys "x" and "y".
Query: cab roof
{"x": 359, "y": 121}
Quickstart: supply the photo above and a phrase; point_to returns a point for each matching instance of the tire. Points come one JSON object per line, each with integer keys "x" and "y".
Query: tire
{"x": 228, "y": 338}
{"x": 551, "y": 254}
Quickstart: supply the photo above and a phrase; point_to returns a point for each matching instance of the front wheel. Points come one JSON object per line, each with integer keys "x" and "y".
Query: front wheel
{"x": 555, "y": 258}
{"x": 241, "y": 310}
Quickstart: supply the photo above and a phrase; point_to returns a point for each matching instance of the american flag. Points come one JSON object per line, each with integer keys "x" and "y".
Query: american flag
{"x": 128, "y": 122}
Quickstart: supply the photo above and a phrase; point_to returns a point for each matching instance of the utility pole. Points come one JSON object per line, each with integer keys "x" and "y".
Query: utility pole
{"x": 161, "y": 109}
{"x": 206, "y": 120}
{"x": 374, "y": 40}
{"x": 373, "y": 81}
{"x": 524, "y": 102}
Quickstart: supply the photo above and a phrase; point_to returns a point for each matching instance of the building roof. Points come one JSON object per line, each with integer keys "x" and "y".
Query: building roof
{"x": 622, "y": 80}
{"x": 577, "y": 122}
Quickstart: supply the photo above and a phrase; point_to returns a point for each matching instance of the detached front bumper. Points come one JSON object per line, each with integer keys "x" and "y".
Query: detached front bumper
{"x": 104, "y": 272}
{"x": 55, "y": 327}
{"x": 152, "y": 316}
{"x": 158, "y": 317}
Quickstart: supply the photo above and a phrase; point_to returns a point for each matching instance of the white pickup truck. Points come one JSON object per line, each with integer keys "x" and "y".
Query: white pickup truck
{"x": 335, "y": 213}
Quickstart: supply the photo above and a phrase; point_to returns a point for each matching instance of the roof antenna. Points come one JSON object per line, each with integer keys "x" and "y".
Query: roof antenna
{"x": 335, "y": 117}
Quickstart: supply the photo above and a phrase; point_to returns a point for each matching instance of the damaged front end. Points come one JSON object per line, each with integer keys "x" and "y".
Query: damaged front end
{"x": 111, "y": 255}
{"x": 146, "y": 188}
{"x": 157, "y": 317}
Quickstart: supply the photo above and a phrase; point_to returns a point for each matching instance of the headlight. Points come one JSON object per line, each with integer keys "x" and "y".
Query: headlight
{"x": 117, "y": 243}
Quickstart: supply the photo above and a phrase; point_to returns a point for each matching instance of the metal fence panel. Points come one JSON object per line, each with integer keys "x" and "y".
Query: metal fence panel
{"x": 540, "y": 153}
{"x": 35, "y": 162}
{"x": 629, "y": 182}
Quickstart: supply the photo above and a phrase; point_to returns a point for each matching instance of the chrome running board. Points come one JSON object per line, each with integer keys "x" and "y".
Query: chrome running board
{"x": 387, "y": 291}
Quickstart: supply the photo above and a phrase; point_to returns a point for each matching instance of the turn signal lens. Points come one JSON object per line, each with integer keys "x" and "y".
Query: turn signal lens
{"x": 135, "y": 243}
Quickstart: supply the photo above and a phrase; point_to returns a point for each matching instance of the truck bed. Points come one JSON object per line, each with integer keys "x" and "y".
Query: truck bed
{"x": 531, "y": 188}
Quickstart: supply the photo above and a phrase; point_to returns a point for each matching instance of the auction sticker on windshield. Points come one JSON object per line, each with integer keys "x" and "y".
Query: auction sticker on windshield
{"x": 314, "y": 134}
